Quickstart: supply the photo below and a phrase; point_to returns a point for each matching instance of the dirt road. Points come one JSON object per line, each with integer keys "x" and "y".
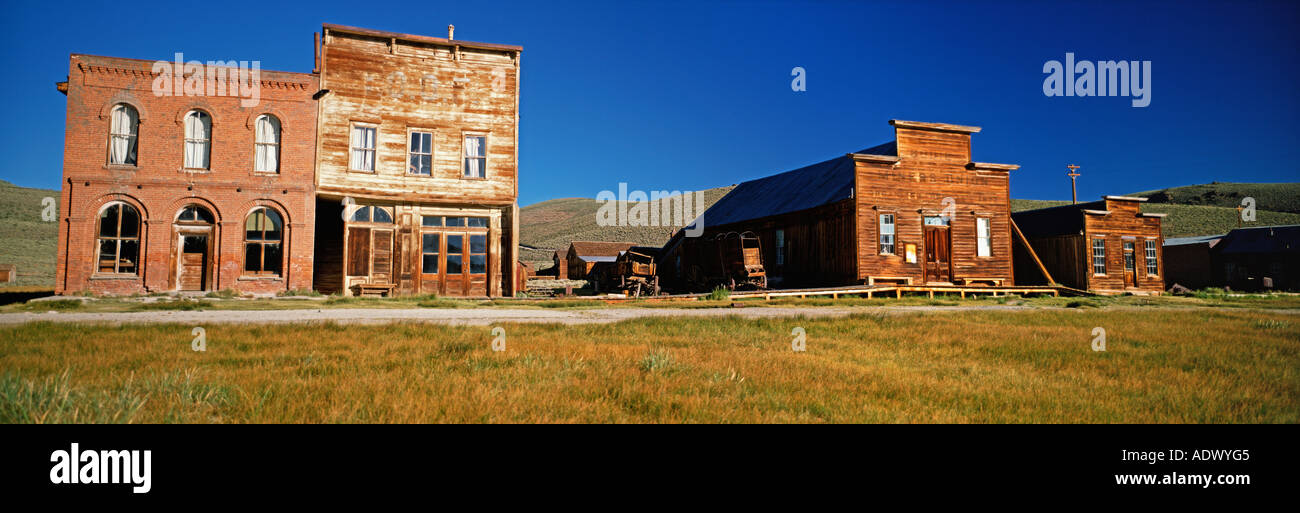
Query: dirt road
{"x": 462, "y": 316}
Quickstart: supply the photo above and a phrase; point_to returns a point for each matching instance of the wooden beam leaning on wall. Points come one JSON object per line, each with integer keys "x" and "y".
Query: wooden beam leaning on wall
{"x": 1030, "y": 248}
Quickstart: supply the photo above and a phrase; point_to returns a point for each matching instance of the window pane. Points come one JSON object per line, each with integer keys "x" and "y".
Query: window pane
{"x": 108, "y": 221}
{"x": 271, "y": 258}
{"x": 478, "y": 243}
{"x": 362, "y": 215}
{"x": 430, "y": 243}
{"x": 429, "y": 264}
{"x": 453, "y": 263}
{"x": 253, "y": 226}
{"x": 431, "y": 220}
{"x": 455, "y": 221}
{"x": 455, "y": 244}
{"x": 477, "y": 222}
{"x": 478, "y": 264}
{"x": 107, "y": 256}
{"x": 381, "y": 215}
{"x": 475, "y": 146}
{"x": 252, "y": 257}
{"x": 126, "y": 256}
{"x": 130, "y": 222}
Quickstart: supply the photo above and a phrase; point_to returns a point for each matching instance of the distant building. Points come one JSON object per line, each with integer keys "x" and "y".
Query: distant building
{"x": 1259, "y": 258}
{"x": 1107, "y": 247}
{"x": 584, "y": 256}
{"x": 1189, "y": 261}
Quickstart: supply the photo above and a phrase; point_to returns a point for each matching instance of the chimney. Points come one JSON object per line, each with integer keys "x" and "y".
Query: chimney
{"x": 451, "y": 32}
{"x": 315, "y": 36}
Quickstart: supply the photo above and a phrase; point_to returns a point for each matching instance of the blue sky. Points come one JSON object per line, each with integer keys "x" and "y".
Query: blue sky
{"x": 680, "y": 96}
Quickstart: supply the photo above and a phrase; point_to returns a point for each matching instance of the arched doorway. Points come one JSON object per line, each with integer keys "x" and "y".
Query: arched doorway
{"x": 192, "y": 261}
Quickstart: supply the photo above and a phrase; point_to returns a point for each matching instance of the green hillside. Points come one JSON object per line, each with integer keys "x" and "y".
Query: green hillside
{"x": 550, "y": 225}
{"x": 1275, "y": 197}
{"x": 26, "y": 240}
{"x": 1188, "y": 220}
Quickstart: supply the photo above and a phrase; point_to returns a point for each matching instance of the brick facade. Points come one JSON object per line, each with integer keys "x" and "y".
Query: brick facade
{"x": 158, "y": 187}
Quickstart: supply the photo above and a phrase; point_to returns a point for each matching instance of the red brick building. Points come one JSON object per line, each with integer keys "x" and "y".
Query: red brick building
{"x": 185, "y": 191}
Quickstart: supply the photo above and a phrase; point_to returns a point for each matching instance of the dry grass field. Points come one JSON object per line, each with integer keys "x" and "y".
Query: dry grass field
{"x": 1190, "y": 365}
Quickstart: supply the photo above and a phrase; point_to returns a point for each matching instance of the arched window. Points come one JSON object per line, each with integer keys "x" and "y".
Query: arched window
{"x": 368, "y": 214}
{"x": 267, "y": 145}
{"x": 119, "y": 239}
{"x": 122, "y": 135}
{"x": 263, "y": 237}
{"x": 198, "y": 139}
{"x": 194, "y": 214}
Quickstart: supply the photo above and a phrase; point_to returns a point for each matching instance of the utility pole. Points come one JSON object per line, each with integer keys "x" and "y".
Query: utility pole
{"x": 1074, "y": 193}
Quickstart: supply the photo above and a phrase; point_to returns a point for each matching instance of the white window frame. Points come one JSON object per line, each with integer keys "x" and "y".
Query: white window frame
{"x": 464, "y": 158}
{"x": 207, "y": 141}
{"x": 410, "y": 152}
{"x": 1093, "y": 251}
{"x": 893, "y": 231}
{"x": 352, "y": 149}
{"x": 278, "y": 127}
{"x": 1151, "y": 257}
{"x": 983, "y": 237}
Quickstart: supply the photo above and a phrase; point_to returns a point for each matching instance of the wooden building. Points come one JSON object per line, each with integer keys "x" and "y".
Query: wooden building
{"x": 1190, "y": 262}
{"x": 584, "y": 256}
{"x": 417, "y": 164}
{"x": 1259, "y": 258}
{"x": 560, "y": 263}
{"x": 915, "y": 210}
{"x": 1107, "y": 246}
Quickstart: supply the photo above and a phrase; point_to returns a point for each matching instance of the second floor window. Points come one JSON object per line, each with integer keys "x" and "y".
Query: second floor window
{"x": 363, "y": 148}
{"x": 267, "y": 146}
{"x": 122, "y": 135}
{"x": 421, "y": 158}
{"x": 475, "y": 156}
{"x": 198, "y": 139}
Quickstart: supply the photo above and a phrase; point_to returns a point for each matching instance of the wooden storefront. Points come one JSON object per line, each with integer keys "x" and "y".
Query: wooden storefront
{"x": 915, "y": 210}
{"x": 1106, "y": 247}
{"x": 417, "y": 165}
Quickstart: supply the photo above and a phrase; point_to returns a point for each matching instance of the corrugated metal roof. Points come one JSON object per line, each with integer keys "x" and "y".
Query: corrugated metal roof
{"x": 1181, "y": 241}
{"x": 597, "y": 258}
{"x": 1262, "y": 239}
{"x": 808, "y": 187}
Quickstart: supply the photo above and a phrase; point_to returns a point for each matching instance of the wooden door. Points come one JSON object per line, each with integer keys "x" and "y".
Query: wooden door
{"x": 192, "y": 264}
{"x": 381, "y": 257}
{"x": 455, "y": 265}
{"x": 1130, "y": 265}
{"x": 476, "y": 264}
{"x": 431, "y": 263}
{"x": 938, "y": 250}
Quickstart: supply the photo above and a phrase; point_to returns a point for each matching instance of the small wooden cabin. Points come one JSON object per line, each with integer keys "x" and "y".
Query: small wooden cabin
{"x": 915, "y": 210}
{"x": 1107, "y": 247}
{"x": 583, "y": 256}
{"x": 560, "y": 263}
{"x": 1189, "y": 261}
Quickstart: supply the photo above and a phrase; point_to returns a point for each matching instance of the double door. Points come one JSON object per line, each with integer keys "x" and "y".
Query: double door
{"x": 453, "y": 263}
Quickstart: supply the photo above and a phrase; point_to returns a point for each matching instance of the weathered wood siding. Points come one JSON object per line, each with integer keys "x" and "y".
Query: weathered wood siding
{"x": 399, "y": 83}
{"x": 1122, "y": 224}
{"x": 932, "y": 165}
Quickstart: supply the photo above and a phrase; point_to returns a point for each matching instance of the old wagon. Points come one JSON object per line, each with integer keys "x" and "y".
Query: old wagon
{"x": 732, "y": 260}
{"x": 633, "y": 271}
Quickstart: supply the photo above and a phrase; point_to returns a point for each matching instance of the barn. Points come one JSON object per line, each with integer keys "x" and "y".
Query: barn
{"x": 1107, "y": 247}
{"x": 915, "y": 210}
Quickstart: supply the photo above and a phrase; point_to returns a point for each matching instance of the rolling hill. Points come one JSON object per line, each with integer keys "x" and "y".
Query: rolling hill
{"x": 26, "y": 240}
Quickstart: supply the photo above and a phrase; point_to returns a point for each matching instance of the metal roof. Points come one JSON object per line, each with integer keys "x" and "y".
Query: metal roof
{"x": 808, "y": 187}
{"x": 1262, "y": 239}
{"x": 1182, "y": 241}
